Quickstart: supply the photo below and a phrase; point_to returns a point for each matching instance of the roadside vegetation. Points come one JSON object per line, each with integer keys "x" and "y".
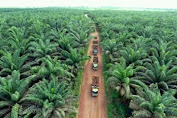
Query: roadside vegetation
{"x": 43, "y": 51}
{"x": 140, "y": 57}
{"x": 42, "y": 54}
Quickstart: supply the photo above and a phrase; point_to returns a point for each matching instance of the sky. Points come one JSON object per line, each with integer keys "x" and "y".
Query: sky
{"x": 172, "y": 4}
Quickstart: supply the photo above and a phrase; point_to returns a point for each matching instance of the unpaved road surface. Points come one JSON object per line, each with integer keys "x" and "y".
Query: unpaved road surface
{"x": 92, "y": 107}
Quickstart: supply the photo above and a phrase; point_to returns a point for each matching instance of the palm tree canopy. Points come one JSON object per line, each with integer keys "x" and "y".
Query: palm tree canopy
{"x": 49, "y": 99}
{"x": 12, "y": 89}
{"x": 10, "y": 62}
{"x": 152, "y": 102}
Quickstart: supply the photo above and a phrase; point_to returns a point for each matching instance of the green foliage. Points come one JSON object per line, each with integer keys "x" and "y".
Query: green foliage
{"x": 151, "y": 103}
{"x": 12, "y": 90}
{"x": 133, "y": 56}
{"x": 42, "y": 47}
{"x": 111, "y": 47}
{"x": 74, "y": 59}
{"x": 163, "y": 75}
{"x": 10, "y": 62}
{"x": 49, "y": 99}
{"x": 41, "y": 44}
{"x": 120, "y": 78}
{"x": 52, "y": 68}
{"x": 18, "y": 39}
{"x": 149, "y": 51}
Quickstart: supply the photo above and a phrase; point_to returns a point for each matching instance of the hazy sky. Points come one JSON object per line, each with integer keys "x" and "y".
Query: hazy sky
{"x": 91, "y": 3}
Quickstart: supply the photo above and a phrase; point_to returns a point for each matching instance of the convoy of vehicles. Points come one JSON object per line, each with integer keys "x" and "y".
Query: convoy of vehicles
{"x": 95, "y": 79}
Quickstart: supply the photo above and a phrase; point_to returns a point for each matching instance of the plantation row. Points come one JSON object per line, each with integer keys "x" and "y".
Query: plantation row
{"x": 41, "y": 53}
{"x": 140, "y": 62}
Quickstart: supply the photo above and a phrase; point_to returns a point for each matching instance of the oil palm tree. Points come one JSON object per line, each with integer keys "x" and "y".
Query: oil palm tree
{"x": 10, "y": 62}
{"x": 58, "y": 34}
{"x": 74, "y": 59}
{"x": 42, "y": 47}
{"x": 150, "y": 103}
{"x": 48, "y": 100}
{"x": 63, "y": 38}
{"x": 52, "y": 68}
{"x": 12, "y": 89}
{"x": 163, "y": 75}
{"x": 140, "y": 43}
{"x": 120, "y": 79}
{"x": 133, "y": 56}
{"x": 18, "y": 39}
{"x": 81, "y": 37}
{"x": 164, "y": 52}
{"x": 111, "y": 47}
{"x": 37, "y": 26}
{"x": 3, "y": 44}
{"x": 65, "y": 43}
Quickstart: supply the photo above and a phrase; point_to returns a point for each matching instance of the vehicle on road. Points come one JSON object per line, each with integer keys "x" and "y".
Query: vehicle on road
{"x": 95, "y": 42}
{"x": 95, "y": 86}
{"x": 95, "y": 47}
{"x": 95, "y": 51}
{"x": 95, "y": 63}
{"x": 95, "y": 37}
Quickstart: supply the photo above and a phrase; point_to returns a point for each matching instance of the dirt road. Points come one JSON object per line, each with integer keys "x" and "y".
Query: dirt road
{"x": 92, "y": 107}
